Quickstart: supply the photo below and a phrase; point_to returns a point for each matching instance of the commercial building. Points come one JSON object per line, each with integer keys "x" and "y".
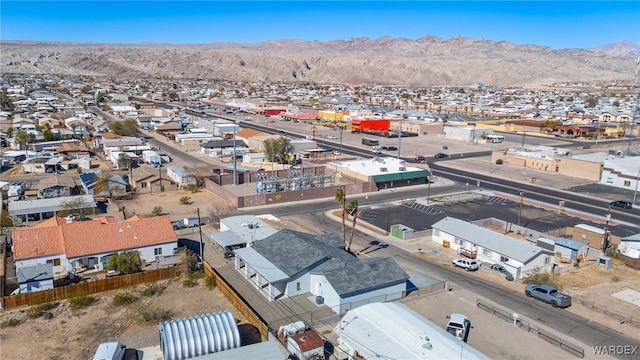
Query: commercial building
{"x": 381, "y": 172}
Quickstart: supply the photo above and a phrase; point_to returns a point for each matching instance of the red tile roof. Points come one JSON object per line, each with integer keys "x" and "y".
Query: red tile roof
{"x": 83, "y": 238}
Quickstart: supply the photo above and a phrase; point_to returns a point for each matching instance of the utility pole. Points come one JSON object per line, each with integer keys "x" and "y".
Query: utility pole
{"x": 524, "y": 134}
{"x": 520, "y": 210}
{"x": 160, "y": 176}
{"x": 340, "y": 139}
{"x": 200, "y": 231}
{"x": 235, "y": 166}
{"x": 399, "y": 138}
{"x": 605, "y": 238}
{"x": 387, "y": 227}
{"x": 429, "y": 187}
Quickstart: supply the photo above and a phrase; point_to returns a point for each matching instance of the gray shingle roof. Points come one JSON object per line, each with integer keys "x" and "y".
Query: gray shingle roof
{"x": 35, "y": 273}
{"x": 365, "y": 274}
{"x": 293, "y": 251}
{"x": 488, "y": 239}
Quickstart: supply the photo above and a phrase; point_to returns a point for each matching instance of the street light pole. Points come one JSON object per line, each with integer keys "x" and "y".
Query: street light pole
{"x": 524, "y": 134}
{"x": 491, "y": 157}
{"x": 340, "y": 139}
{"x": 520, "y": 210}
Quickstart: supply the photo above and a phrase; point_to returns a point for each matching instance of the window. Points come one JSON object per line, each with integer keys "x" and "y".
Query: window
{"x": 157, "y": 251}
{"x": 547, "y": 260}
{"x": 143, "y": 185}
{"x": 487, "y": 252}
{"x": 460, "y": 242}
{"x": 298, "y": 286}
{"x": 504, "y": 259}
{"x": 436, "y": 232}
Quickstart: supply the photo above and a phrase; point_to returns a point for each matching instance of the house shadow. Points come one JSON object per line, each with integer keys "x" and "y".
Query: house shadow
{"x": 249, "y": 334}
{"x": 67, "y": 281}
{"x": 411, "y": 287}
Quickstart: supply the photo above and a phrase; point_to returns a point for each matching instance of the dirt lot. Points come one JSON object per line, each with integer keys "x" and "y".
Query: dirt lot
{"x": 143, "y": 204}
{"x": 75, "y": 334}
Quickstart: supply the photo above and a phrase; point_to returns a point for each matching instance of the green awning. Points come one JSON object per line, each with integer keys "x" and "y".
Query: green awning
{"x": 403, "y": 175}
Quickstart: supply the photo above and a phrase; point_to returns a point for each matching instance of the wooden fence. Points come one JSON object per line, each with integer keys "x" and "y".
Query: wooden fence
{"x": 238, "y": 301}
{"x": 90, "y": 287}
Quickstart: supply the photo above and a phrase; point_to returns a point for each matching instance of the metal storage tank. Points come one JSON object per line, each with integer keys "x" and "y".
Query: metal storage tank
{"x": 198, "y": 335}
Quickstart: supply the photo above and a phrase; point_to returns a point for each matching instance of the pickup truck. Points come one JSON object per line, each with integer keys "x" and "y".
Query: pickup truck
{"x": 548, "y": 294}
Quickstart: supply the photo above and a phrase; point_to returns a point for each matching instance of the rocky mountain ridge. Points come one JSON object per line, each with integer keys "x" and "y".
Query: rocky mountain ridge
{"x": 428, "y": 61}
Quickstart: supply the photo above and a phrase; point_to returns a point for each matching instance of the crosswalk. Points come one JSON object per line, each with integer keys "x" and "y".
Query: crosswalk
{"x": 429, "y": 210}
{"x": 498, "y": 200}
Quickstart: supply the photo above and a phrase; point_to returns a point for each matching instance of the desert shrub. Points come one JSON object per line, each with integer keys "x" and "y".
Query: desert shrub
{"x": 151, "y": 289}
{"x": 499, "y": 162}
{"x": 124, "y": 298}
{"x": 157, "y": 211}
{"x": 36, "y": 311}
{"x": 210, "y": 282}
{"x": 192, "y": 188}
{"x": 185, "y": 200}
{"x": 81, "y": 300}
{"x": 543, "y": 278}
{"x": 11, "y": 322}
{"x": 153, "y": 314}
{"x": 190, "y": 282}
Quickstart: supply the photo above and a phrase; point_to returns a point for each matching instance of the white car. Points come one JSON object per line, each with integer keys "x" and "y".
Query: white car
{"x": 336, "y": 152}
{"x": 331, "y": 137}
{"x": 466, "y": 264}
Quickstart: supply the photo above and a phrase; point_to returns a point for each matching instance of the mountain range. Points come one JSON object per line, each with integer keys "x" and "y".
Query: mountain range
{"x": 428, "y": 61}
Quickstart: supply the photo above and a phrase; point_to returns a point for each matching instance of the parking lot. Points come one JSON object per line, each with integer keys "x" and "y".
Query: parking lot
{"x": 420, "y": 216}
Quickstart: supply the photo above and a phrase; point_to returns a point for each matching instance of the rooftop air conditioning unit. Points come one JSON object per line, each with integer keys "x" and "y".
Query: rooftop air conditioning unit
{"x": 383, "y": 169}
{"x": 402, "y": 168}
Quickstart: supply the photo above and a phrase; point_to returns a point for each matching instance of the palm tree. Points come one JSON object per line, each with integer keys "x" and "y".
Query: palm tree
{"x": 352, "y": 208}
{"x": 341, "y": 198}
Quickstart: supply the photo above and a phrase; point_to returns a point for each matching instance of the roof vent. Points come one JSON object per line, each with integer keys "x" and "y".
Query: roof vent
{"x": 69, "y": 219}
{"x": 383, "y": 169}
{"x": 402, "y": 168}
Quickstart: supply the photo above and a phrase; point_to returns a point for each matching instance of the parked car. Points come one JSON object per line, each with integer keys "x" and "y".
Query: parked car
{"x": 466, "y": 264}
{"x": 331, "y": 137}
{"x": 548, "y": 294}
{"x": 459, "y": 326}
{"x": 441, "y": 156}
{"x": 622, "y": 204}
{"x": 502, "y": 270}
{"x": 419, "y": 158}
{"x": 178, "y": 225}
{"x": 389, "y": 148}
{"x": 336, "y": 152}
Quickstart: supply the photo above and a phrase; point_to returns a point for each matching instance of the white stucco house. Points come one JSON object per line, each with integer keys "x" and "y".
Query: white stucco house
{"x": 64, "y": 243}
{"x": 290, "y": 263}
{"x": 517, "y": 256}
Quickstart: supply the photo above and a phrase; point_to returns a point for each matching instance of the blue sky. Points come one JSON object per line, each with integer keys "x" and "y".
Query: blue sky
{"x": 571, "y": 24}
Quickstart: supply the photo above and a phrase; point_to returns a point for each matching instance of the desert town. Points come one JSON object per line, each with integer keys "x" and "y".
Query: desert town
{"x": 337, "y": 222}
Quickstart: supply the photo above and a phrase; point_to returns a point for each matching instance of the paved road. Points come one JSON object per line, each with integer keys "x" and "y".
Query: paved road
{"x": 575, "y": 326}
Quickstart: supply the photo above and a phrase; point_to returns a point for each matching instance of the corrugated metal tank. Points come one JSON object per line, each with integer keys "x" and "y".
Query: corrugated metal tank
{"x": 199, "y": 335}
